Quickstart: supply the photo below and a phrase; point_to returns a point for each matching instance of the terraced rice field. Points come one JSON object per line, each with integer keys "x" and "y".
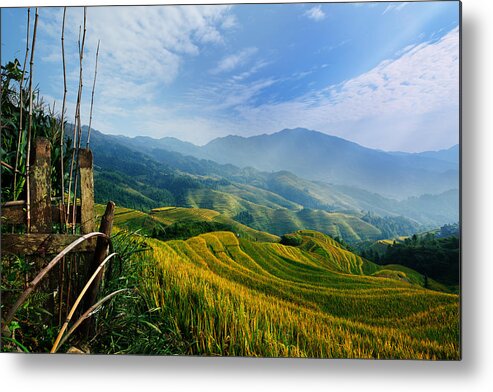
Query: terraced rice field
{"x": 225, "y": 295}
{"x": 277, "y": 218}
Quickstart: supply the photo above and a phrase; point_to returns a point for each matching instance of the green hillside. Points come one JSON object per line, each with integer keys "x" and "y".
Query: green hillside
{"x": 178, "y": 222}
{"x": 156, "y": 177}
{"x": 223, "y": 295}
{"x": 435, "y": 254}
{"x": 280, "y": 220}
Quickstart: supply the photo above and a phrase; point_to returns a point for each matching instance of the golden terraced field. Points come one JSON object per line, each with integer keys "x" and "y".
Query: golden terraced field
{"x": 225, "y": 295}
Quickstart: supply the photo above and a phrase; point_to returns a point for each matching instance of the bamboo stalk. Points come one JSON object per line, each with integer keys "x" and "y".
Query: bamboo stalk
{"x": 5, "y": 164}
{"x": 77, "y": 301}
{"x": 87, "y": 314}
{"x": 32, "y": 285}
{"x": 92, "y": 96}
{"x": 62, "y": 129}
{"x": 13, "y": 203}
{"x": 21, "y": 100}
{"x": 61, "y": 284}
{"x": 69, "y": 283}
{"x": 74, "y": 146}
{"x": 28, "y": 166}
{"x": 78, "y": 122}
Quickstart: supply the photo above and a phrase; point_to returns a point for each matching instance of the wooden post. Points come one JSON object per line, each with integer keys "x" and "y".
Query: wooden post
{"x": 40, "y": 207}
{"x": 40, "y": 187}
{"x": 86, "y": 191}
{"x": 102, "y": 248}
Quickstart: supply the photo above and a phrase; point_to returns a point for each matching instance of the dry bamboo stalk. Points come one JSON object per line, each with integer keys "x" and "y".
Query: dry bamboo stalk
{"x": 71, "y": 172}
{"x": 78, "y": 122}
{"x": 21, "y": 99}
{"x": 77, "y": 301}
{"x": 61, "y": 283}
{"x": 28, "y": 166}
{"x": 88, "y": 314}
{"x": 32, "y": 285}
{"x": 13, "y": 203}
{"x": 62, "y": 129}
{"x": 92, "y": 96}
{"x": 5, "y": 164}
{"x": 69, "y": 283}
{"x": 74, "y": 146}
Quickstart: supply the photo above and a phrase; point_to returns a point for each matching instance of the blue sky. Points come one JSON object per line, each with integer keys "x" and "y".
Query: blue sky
{"x": 385, "y": 75}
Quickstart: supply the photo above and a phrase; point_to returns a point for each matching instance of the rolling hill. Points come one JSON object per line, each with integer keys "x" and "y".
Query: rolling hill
{"x": 280, "y": 201}
{"x": 314, "y": 156}
{"x": 224, "y": 295}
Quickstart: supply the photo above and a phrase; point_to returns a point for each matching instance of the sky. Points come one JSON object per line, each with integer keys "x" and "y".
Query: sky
{"x": 384, "y": 75}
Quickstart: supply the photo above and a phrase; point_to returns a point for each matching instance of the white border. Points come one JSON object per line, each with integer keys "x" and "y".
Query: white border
{"x": 473, "y": 373}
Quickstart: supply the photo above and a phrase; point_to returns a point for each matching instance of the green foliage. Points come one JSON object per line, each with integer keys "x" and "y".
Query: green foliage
{"x": 291, "y": 240}
{"x": 392, "y": 226}
{"x": 44, "y": 123}
{"x": 430, "y": 254}
{"x": 126, "y": 191}
{"x": 32, "y": 329}
{"x": 437, "y": 258}
{"x": 128, "y": 324}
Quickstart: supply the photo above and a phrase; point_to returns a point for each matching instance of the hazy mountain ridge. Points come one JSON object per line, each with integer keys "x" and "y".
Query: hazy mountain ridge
{"x": 451, "y": 154}
{"x": 317, "y": 156}
{"x": 147, "y": 178}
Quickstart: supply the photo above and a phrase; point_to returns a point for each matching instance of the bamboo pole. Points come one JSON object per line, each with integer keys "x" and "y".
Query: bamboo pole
{"x": 28, "y": 168}
{"x": 92, "y": 96}
{"x": 77, "y": 301}
{"x": 78, "y": 122}
{"x": 88, "y": 314}
{"x": 62, "y": 129}
{"x": 21, "y": 99}
{"x": 74, "y": 146}
{"x": 5, "y": 164}
{"x": 63, "y": 216}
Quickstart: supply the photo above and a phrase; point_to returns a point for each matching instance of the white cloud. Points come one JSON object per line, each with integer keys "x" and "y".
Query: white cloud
{"x": 142, "y": 45}
{"x": 394, "y": 7}
{"x": 410, "y": 103}
{"x": 142, "y": 52}
{"x": 253, "y": 70}
{"x": 233, "y": 61}
{"x": 315, "y": 13}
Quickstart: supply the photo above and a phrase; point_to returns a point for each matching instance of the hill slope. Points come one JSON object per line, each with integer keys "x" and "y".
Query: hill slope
{"x": 230, "y": 296}
{"x": 317, "y": 156}
{"x": 175, "y": 222}
{"x": 163, "y": 178}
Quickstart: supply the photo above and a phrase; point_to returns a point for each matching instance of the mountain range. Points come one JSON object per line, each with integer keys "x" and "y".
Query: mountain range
{"x": 320, "y": 157}
{"x": 146, "y": 173}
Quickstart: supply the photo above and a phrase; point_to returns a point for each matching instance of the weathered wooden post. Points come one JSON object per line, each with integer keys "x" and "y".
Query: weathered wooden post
{"x": 102, "y": 249}
{"x": 87, "y": 218}
{"x": 40, "y": 187}
{"x": 40, "y": 196}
